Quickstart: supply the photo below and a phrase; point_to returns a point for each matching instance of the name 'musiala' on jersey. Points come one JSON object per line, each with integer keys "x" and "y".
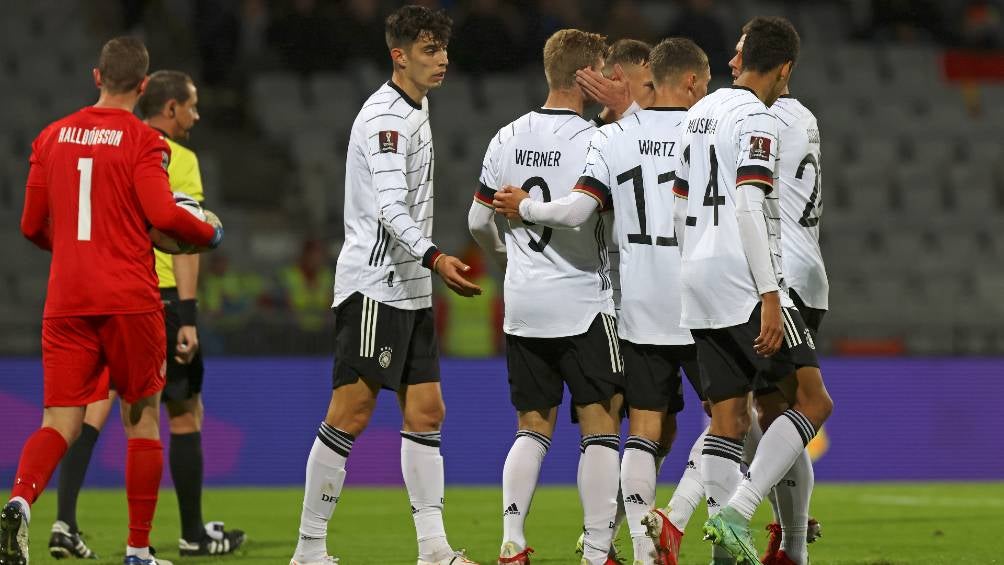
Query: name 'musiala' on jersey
{"x": 730, "y": 140}
{"x": 801, "y": 195}
{"x": 556, "y": 280}
{"x": 633, "y": 162}
{"x": 388, "y": 203}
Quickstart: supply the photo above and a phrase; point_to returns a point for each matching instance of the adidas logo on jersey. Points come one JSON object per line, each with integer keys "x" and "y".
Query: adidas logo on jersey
{"x": 634, "y": 499}
{"x": 513, "y": 510}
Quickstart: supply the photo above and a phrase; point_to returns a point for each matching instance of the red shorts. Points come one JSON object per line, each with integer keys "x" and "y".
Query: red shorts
{"x": 81, "y": 355}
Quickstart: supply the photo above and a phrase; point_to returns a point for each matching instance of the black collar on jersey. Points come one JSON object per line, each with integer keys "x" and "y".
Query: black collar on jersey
{"x": 557, "y": 112}
{"x": 786, "y": 96}
{"x": 162, "y": 132}
{"x": 667, "y": 108}
{"x": 736, "y": 86}
{"x": 412, "y": 103}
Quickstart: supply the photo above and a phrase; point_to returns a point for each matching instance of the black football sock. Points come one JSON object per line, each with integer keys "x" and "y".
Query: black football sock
{"x": 71, "y": 475}
{"x": 186, "y": 471}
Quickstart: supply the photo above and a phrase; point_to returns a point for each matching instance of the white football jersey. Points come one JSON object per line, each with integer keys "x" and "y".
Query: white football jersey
{"x": 801, "y": 194}
{"x": 730, "y": 139}
{"x": 633, "y": 162}
{"x": 556, "y": 280}
{"x": 388, "y": 203}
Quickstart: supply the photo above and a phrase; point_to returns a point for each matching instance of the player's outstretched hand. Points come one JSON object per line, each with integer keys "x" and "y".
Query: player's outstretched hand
{"x": 771, "y": 332}
{"x": 506, "y": 201}
{"x": 450, "y": 269}
{"x": 188, "y": 344}
{"x": 611, "y": 93}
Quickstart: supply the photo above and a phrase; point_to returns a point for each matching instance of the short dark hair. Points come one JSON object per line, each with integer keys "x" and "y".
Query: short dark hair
{"x": 675, "y": 55}
{"x": 770, "y": 42}
{"x": 410, "y": 23}
{"x": 627, "y": 51}
{"x": 123, "y": 64}
{"x": 163, "y": 87}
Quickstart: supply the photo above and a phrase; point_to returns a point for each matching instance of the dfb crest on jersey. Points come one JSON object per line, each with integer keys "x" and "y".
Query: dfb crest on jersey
{"x": 808, "y": 339}
{"x": 760, "y": 148}
{"x": 388, "y": 141}
{"x": 385, "y": 357}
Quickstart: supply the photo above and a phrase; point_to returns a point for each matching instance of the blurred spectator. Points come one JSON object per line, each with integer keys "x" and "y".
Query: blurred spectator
{"x": 307, "y": 287}
{"x": 544, "y": 17}
{"x": 981, "y": 25}
{"x": 305, "y": 38}
{"x": 624, "y": 20}
{"x": 226, "y": 297}
{"x": 483, "y": 42}
{"x": 361, "y": 27}
{"x": 698, "y": 22}
{"x": 217, "y": 27}
{"x": 471, "y": 327}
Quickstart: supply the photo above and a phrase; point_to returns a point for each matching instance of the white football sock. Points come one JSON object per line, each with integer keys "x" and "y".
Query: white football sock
{"x": 422, "y": 467}
{"x": 141, "y": 552}
{"x": 599, "y": 467}
{"x": 793, "y": 494}
{"x": 720, "y": 459}
{"x": 519, "y": 482}
{"x": 781, "y": 445}
{"x": 638, "y": 476}
{"x": 690, "y": 491}
{"x": 322, "y": 488}
{"x": 749, "y": 451}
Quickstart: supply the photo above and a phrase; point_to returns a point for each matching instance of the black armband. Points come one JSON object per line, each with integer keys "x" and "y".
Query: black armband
{"x": 188, "y": 311}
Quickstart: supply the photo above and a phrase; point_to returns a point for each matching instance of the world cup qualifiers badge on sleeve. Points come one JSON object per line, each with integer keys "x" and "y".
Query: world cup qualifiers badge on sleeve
{"x": 760, "y": 148}
{"x": 388, "y": 141}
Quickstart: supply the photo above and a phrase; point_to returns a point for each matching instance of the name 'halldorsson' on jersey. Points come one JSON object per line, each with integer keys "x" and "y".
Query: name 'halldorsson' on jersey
{"x": 730, "y": 140}
{"x": 801, "y": 195}
{"x": 556, "y": 281}
{"x": 633, "y": 162}
{"x": 388, "y": 203}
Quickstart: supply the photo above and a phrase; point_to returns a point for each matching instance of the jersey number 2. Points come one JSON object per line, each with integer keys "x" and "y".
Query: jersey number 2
{"x": 545, "y": 236}
{"x": 808, "y": 220}
{"x": 85, "y": 165}
{"x": 638, "y": 181}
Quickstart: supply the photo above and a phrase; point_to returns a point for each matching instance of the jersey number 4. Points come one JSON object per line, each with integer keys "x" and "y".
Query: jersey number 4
{"x": 711, "y": 196}
{"x": 545, "y": 236}
{"x": 634, "y": 175}
{"x": 85, "y": 165}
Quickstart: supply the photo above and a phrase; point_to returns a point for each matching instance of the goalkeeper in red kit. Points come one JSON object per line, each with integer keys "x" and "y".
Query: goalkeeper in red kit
{"x": 98, "y": 181}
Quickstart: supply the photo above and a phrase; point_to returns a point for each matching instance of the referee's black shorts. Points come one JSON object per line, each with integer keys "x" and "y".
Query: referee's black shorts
{"x": 183, "y": 381}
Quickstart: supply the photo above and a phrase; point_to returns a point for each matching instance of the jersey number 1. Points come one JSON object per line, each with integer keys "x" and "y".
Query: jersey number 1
{"x": 85, "y": 165}
{"x": 638, "y": 181}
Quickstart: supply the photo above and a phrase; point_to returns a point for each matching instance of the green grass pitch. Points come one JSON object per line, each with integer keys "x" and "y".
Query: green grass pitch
{"x": 872, "y": 524}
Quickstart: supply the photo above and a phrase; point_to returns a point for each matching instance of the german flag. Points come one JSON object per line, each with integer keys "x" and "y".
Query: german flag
{"x": 596, "y": 189}
{"x": 485, "y": 195}
{"x": 755, "y": 175}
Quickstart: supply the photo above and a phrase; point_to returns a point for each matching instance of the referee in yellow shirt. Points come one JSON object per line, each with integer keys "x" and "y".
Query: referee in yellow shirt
{"x": 169, "y": 105}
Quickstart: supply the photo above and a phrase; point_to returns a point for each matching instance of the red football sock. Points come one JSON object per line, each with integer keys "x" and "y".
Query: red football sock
{"x": 144, "y": 466}
{"x": 39, "y": 458}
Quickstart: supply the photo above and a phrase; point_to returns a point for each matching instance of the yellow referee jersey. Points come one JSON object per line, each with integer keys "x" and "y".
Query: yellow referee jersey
{"x": 183, "y": 174}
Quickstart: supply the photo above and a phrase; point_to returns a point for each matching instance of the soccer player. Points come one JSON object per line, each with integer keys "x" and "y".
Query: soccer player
{"x": 801, "y": 209}
{"x": 559, "y": 313}
{"x": 631, "y": 163}
{"x": 735, "y": 298}
{"x": 98, "y": 178}
{"x": 169, "y": 105}
{"x": 384, "y": 331}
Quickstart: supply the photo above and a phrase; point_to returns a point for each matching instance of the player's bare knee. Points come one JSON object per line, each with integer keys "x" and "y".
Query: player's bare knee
{"x": 427, "y": 417}
{"x": 539, "y": 421}
{"x": 649, "y": 425}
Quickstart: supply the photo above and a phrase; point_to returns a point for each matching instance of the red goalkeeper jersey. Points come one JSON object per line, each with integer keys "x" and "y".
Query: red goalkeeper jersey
{"x": 98, "y": 180}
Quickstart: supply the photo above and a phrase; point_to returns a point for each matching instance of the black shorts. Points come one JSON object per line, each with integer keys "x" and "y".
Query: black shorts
{"x": 383, "y": 344}
{"x": 589, "y": 363}
{"x": 183, "y": 381}
{"x": 652, "y": 375}
{"x": 813, "y": 317}
{"x": 729, "y": 365}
